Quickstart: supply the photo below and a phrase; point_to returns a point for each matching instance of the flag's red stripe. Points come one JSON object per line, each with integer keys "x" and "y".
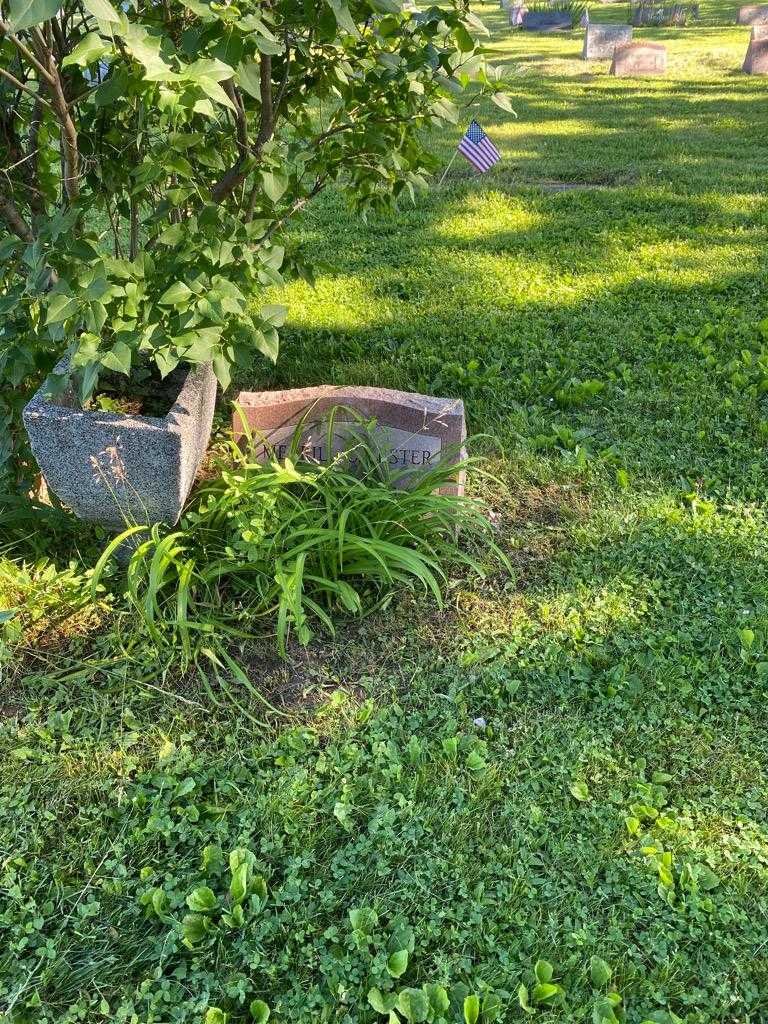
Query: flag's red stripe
{"x": 476, "y": 155}
{"x": 482, "y": 155}
{"x": 469, "y": 150}
{"x": 489, "y": 147}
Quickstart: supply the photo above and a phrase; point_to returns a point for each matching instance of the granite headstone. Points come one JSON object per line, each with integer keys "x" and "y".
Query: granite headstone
{"x": 638, "y": 60}
{"x": 756, "y": 60}
{"x": 601, "y": 40}
{"x": 547, "y": 21}
{"x": 753, "y": 14}
{"x": 406, "y": 432}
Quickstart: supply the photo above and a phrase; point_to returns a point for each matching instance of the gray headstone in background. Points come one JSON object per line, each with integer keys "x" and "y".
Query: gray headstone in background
{"x": 547, "y": 21}
{"x": 516, "y": 13}
{"x": 753, "y": 14}
{"x": 601, "y": 40}
{"x": 411, "y": 433}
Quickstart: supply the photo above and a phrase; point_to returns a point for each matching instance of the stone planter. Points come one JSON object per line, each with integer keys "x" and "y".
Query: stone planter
{"x": 119, "y": 469}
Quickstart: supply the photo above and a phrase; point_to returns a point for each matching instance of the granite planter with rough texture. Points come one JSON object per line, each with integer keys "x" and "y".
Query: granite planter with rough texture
{"x": 119, "y": 469}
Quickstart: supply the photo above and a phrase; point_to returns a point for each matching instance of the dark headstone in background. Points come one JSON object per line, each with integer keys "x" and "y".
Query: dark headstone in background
{"x": 547, "y": 21}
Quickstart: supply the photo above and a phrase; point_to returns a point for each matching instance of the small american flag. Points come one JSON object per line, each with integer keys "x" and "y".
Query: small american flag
{"x": 478, "y": 148}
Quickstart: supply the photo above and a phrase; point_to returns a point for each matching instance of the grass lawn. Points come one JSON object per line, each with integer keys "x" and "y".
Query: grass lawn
{"x": 568, "y": 765}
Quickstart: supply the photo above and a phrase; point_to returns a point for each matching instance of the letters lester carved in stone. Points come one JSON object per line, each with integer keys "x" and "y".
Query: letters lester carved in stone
{"x": 636, "y": 60}
{"x": 601, "y": 40}
{"x": 411, "y": 432}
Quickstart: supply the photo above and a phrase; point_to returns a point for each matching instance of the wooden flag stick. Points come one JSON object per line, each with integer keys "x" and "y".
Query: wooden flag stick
{"x": 450, "y": 164}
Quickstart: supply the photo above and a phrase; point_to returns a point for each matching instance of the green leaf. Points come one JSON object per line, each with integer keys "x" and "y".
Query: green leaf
{"x": 213, "y": 858}
{"x": 145, "y": 48}
{"x": 523, "y": 999}
{"x": 89, "y": 49}
{"x": 270, "y": 46}
{"x": 102, "y": 10}
{"x": 402, "y": 936}
{"x": 209, "y": 67}
{"x": 274, "y": 315}
{"x": 502, "y": 100}
{"x": 397, "y": 964}
{"x": 194, "y": 928}
{"x": 343, "y": 17}
{"x": 413, "y": 1004}
{"x": 259, "y": 1011}
{"x": 212, "y": 89}
{"x": 579, "y": 791}
{"x": 176, "y": 295}
{"x": 118, "y": 358}
{"x": 546, "y": 993}
{"x": 438, "y": 998}
{"x": 215, "y": 1016}
{"x": 633, "y": 825}
{"x": 491, "y": 1007}
{"x": 202, "y": 899}
{"x": 471, "y": 1009}
{"x": 26, "y": 13}
{"x": 222, "y": 369}
{"x": 166, "y": 360}
{"x": 464, "y": 40}
{"x": 363, "y": 919}
{"x": 60, "y": 308}
{"x": 239, "y": 886}
{"x": 248, "y": 78}
{"x": 267, "y": 342}
{"x": 599, "y": 972}
{"x": 543, "y": 971}
{"x": 275, "y": 183}
{"x": 380, "y": 1002}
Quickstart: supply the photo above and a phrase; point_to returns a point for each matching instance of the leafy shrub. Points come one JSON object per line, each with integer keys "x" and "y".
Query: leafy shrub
{"x": 155, "y": 153}
{"x": 296, "y": 543}
{"x": 573, "y": 7}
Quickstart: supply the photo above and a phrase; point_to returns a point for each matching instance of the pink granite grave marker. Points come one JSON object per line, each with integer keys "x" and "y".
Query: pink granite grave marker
{"x": 410, "y": 433}
{"x": 638, "y": 60}
{"x": 753, "y": 14}
{"x": 756, "y": 60}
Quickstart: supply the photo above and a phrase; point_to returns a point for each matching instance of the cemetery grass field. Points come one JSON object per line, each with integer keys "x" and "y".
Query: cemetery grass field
{"x": 567, "y": 765}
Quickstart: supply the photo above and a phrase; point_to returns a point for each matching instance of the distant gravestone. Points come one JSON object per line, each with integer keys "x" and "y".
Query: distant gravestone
{"x": 753, "y": 14}
{"x": 756, "y": 60}
{"x": 601, "y": 40}
{"x": 546, "y": 21}
{"x": 516, "y": 12}
{"x": 639, "y": 60}
{"x": 655, "y": 13}
{"x": 409, "y": 434}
